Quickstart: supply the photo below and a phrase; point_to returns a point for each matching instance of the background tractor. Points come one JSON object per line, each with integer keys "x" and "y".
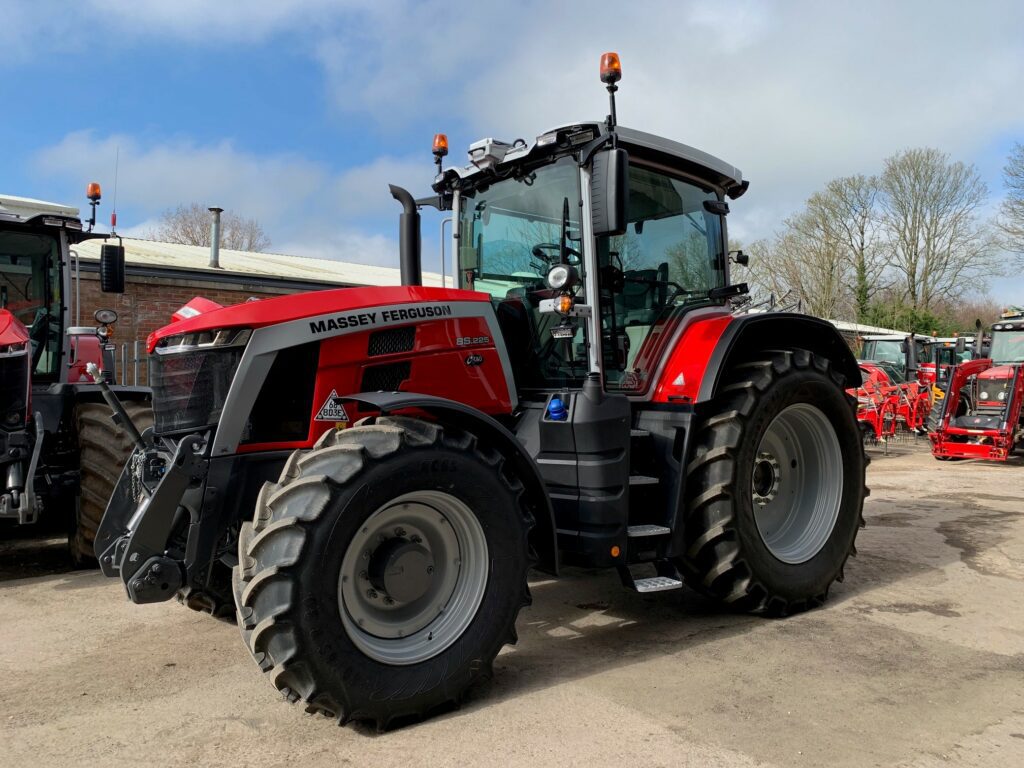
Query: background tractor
{"x": 60, "y": 454}
{"x": 894, "y": 388}
{"x": 367, "y": 475}
{"x": 982, "y": 413}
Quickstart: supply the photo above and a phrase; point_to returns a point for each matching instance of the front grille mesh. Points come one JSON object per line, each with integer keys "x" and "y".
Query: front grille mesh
{"x": 385, "y": 378}
{"x": 189, "y": 388}
{"x": 392, "y": 341}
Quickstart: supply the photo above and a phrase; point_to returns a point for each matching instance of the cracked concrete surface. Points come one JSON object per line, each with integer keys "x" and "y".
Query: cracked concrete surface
{"x": 916, "y": 660}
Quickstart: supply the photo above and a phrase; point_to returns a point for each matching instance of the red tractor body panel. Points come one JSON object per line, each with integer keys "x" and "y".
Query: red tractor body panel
{"x": 343, "y": 303}
{"x": 683, "y": 374}
{"x": 454, "y": 358}
{"x": 11, "y": 330}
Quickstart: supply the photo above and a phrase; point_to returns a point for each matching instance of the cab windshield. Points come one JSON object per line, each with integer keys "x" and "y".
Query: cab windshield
{"x": 1008, "y": 346}
{"x": 30, "y": 290}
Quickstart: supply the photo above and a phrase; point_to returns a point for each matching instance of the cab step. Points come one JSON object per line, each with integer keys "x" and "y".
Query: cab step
{"x": 657, "y": 584}
{"x": 638, "y": 433}
{"x": 635, "y": 531}
{"x": 643, "y": 480}
{"x": 666, "y": 577}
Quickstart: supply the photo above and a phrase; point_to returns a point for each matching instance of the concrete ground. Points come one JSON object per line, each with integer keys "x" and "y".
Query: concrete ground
{"x": 916, "y": 660}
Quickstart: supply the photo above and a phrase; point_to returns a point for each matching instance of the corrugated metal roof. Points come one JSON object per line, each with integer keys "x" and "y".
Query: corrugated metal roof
{"x": 247, "y": 264}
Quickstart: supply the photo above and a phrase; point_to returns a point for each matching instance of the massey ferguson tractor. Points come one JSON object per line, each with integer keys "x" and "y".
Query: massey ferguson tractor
{"x": 982, "y": 411}
{"x": 367, "y": 475}
{"x": 60, "y": 454}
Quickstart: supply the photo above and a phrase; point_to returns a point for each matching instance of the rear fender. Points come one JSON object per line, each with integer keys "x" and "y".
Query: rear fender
{"x": 748, "y": 335}
{"x": 542, "y": 537}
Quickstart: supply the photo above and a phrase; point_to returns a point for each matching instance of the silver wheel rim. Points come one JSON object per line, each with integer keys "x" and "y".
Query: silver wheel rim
{"x": 797, "y": 483}
{"x": 413, "y": 577}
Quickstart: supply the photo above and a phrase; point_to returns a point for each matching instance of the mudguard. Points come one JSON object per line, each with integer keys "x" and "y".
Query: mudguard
{"x": 543, "y": 536}
{"x": 776, "y": 330}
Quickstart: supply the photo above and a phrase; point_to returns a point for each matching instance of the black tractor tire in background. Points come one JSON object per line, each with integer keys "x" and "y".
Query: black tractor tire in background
{"x": 103, "y": 449}
{"x": 732, "y": 474}
{"x": 307, "y": 564}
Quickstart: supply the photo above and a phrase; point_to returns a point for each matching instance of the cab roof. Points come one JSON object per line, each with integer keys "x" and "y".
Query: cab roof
{"x": 674, "y": 153}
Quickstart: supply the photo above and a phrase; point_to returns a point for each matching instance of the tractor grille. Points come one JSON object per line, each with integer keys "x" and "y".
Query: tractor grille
{"x": 385, "y": 378}
{"x": 189, "y": 388}
{"x": 392, "y": 341}
{"x": 13, "y": 388}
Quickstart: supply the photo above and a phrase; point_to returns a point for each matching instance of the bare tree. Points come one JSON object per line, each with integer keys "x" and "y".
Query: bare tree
{"x": 849, "y": 206}
{"x": 1012, "y": 208}
{"x": 190, "y": 225}
{"x": 930, "y": 212}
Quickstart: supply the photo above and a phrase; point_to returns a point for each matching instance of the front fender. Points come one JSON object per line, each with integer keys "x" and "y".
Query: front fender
{"x": 470, "y": 419}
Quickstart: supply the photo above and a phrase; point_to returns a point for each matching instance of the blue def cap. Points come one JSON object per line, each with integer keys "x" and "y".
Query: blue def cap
{"x": 556, "y": 410}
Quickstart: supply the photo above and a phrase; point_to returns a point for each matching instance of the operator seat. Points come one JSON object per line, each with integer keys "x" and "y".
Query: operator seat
{"x": 519, "y": 331}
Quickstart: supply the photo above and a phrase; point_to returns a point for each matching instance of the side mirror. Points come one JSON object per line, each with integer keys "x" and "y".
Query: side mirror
{"x": 112, "y": 268}
{"x": 609, "y": 192}
{"x": 961, "y": 345}
{"x": 739, "y": 257}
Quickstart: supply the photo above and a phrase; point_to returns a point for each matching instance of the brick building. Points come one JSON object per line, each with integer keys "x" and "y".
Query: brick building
{"x": 161, "y": 277}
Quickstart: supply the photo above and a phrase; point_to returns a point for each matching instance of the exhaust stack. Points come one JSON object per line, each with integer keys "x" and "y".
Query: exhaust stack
{"x": 215, "y": 237}
{"x": 408, "y": 237}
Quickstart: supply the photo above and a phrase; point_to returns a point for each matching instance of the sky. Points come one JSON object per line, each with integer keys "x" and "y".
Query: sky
{"x": 300, "y": 112}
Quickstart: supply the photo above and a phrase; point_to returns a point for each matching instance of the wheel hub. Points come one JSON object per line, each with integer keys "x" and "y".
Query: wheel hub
{"x": 765, "y": 479}
{"x": 401, "y": 569}
{"x": 412, "y": 577}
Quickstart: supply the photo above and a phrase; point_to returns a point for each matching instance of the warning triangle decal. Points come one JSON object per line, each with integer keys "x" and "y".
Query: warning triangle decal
{"x": 332, "y": 410}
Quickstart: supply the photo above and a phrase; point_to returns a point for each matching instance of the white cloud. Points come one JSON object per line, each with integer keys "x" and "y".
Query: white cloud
{"x": 305, "y": 208}
{"x": 794, "y": 93}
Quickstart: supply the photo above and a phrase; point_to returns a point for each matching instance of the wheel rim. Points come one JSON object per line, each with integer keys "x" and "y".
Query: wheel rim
{"x": 797, "y": 483}
{"x": 413, "y": 577}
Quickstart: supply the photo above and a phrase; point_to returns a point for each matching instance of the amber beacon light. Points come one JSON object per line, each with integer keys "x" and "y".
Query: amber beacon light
{"x": 611, "y": 68}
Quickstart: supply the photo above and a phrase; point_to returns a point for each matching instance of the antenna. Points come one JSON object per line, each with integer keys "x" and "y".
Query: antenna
{"x": 113, "y": 208}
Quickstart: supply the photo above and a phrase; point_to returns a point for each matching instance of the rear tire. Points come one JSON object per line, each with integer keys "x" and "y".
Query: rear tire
{"x": 775, "y": 486}
{"x": 103, "y": 449}
{"x": 384, "y": 571}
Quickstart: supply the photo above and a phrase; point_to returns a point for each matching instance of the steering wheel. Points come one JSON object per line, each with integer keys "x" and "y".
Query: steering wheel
{"x": 572, "y": 256}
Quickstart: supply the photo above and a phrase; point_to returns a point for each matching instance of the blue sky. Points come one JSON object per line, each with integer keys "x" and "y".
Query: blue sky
{"x": 299, "y": 112}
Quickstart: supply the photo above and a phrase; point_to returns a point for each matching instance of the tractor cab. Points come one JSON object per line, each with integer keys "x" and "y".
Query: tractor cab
{"x": 525, "y": 214}
{"x": 897, "y": 355}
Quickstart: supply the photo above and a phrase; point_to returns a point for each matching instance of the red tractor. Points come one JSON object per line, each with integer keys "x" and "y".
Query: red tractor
{"x": 982, "y": 412}
{"x": 59, "y": 451}
{"x": 368, "y": 475}
{"x": 894, "y": 387}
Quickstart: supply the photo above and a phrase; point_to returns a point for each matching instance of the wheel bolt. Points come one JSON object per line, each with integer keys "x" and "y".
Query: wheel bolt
{"x": 388, "y": 601}
{"x": 416, "y": 539}
{"x": 372, "y": 594}
{"x": 363, "y": 575}
{"x": 399, "y": 532}
{"x": 430, "y": 569}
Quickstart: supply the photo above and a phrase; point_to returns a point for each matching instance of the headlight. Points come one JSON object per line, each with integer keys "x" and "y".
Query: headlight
{"x": 218, "y": 337}
{"x": 984, "y": 395}
{"x": 1002, "y": 395}
{"x": 562, "y": 277}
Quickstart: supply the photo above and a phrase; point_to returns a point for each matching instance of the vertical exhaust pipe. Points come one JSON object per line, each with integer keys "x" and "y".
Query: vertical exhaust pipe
{"x": 408, "y": 237}
{"x": 215, "y": 238}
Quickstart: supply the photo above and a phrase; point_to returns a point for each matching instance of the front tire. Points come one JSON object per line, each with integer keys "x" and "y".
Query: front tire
{"x": 775, "y": 486}
{"x": 384, "y": 571}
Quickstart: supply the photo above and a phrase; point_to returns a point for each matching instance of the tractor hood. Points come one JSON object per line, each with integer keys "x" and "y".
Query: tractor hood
{"x": 337, "y": 302}
{"x": 11, "y": 330}
{"x": 997, "y": 372}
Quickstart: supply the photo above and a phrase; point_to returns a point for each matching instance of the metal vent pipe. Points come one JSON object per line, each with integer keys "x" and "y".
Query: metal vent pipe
{"x": 215, "y": 238}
